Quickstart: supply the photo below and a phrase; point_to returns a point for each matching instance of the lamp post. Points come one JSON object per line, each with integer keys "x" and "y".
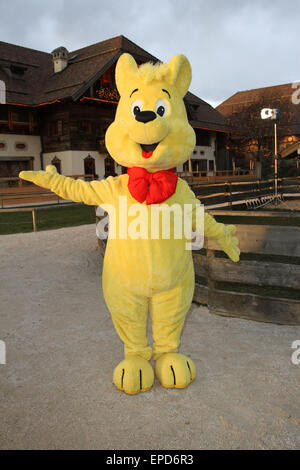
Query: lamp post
{"x": 267, "y": 113}
{"x": 276, "y": 160}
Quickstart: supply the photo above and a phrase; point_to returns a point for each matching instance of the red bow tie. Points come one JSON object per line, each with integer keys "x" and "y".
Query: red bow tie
{"x": 152, "y": 187}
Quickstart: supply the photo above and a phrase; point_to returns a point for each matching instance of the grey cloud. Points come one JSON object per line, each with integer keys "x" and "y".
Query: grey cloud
{"x": 232, "y": 45}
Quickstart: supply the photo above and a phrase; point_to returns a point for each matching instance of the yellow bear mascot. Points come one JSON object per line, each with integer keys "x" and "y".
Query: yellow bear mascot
{"x": 147, "y": 272}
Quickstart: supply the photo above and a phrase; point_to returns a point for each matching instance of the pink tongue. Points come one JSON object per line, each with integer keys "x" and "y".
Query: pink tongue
{"x": 146, "y": 154}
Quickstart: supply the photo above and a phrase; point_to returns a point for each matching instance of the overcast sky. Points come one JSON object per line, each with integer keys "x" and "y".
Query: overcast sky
{"x": 232, "y": 44}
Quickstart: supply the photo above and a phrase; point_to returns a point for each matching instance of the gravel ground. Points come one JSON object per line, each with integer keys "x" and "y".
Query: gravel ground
{"x": 56, "y": 388}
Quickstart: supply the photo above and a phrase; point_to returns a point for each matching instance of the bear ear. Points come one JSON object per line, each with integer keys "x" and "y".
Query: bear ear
{"x": 180, "y": 73}
{"x": 126, "y": 68}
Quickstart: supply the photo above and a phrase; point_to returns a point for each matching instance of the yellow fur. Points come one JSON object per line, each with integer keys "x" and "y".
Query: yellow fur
{"x": 146, "y": 275}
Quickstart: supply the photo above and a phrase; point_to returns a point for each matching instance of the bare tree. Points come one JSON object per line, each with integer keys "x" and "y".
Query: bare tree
{"x": 253, "y": 138}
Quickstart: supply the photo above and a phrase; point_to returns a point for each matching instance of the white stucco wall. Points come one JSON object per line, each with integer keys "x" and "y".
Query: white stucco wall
{"x": 206, "y": 152}
{"x": 32, "y": 149}
{"x": 72, "y": 161}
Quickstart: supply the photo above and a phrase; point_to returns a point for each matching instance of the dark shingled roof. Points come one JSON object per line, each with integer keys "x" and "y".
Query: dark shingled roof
{"x": 203, "y": 115}
{"x": 39, "y": 84}
{"x": 278, "y": 96}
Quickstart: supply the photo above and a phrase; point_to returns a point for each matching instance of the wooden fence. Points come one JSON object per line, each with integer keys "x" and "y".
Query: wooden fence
{"x": 280, "y": 273}
{"x": 271, "y": 241}
{"x": 33, "y": 211}
{"x": 238, "y": 193}
{"x": 16, "y": 181}
{"x": 24, "y": 209}
{"x": 28, "y": 193}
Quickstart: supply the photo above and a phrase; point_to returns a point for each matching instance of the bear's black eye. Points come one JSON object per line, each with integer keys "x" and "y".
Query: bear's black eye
{"x": 161, "y": 111}
{"x": 136, "y": 107}
{"x": 161, "y": 108}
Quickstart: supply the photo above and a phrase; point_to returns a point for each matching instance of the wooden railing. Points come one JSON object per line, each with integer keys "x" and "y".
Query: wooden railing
{"x": 27, "y": 198}
{"x": 277, "y": 242}
{"x": 19, "y": 182}
{"x": 195, "y": 177}
{"x": 26, "y": 193}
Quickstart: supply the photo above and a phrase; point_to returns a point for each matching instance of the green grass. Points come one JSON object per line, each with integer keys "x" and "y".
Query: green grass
{"x": 47, "y": 219}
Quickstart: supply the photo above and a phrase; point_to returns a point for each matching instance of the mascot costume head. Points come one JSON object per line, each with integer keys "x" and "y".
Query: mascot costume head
{"x": 147, "y": 272}
{"x": 151, "y": 129}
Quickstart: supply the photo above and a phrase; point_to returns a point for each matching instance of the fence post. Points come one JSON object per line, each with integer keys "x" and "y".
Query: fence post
{"x": 33, "y": 220}
{"x": 229, "y": 194}
{"x": 210, "y": 254}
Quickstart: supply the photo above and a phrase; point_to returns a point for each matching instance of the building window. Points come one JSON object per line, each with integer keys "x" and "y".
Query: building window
{"x": 57, "y": 163}
{"x": 55, "y": 128}
{"x": 20, "y": 146}
{"x": 106, "y": 79}
{"x": 199, "y": 165}
{"x": 185, "y": 166}
{"x": 211, "y": 165}
{"x": 17, "y": 72}
{"x": 60, "y": 127}
{"x": 85, "y": 127}
{"x": 21, "y": 115}
{"x": 89, "y": 165}
{"x": 3, "y": 113}
{"x": 52, "y": 128}
{"x": 109, "y": 166}
{"x": 202, "y": 137}
{"x": 105, "y": 87}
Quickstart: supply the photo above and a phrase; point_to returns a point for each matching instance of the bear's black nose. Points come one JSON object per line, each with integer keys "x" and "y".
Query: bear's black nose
{"x": 145, "y": 116}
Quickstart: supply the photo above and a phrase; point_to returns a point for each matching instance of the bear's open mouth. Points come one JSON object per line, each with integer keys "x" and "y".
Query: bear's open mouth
{"x": 147, "y": 150}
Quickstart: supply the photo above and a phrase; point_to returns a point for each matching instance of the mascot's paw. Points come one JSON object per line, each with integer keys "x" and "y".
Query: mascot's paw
{"x": 39, "y": 177}
{"x": 175, "y": 370}
{"x": 229, "y": 243}
{"x": 133, "y": 375}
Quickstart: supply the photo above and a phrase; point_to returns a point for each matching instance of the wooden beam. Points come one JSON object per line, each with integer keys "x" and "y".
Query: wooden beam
{"x": 248, "y": 272}
{"x": 263, "y": 213}
{"x": 266, "y": 239}
{"x": 249, "y": 306}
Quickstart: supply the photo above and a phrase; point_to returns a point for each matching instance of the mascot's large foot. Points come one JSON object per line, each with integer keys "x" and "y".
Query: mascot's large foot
{"x": 175, "y": 370}
{"x": 133, "y": 375}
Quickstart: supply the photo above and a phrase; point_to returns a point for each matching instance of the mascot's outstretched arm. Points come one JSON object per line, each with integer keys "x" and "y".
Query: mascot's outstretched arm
{"x": 93, "y": 193}
{"x": 223, "y": 234}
